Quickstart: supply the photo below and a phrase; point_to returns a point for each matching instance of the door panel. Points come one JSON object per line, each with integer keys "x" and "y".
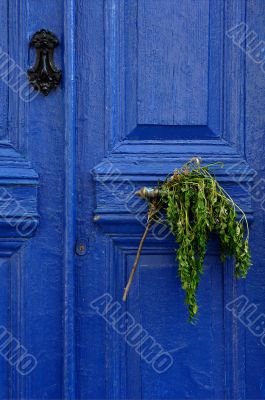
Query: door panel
{"x": 170, "y": 85}
{"x": 169, "y": 74}
{"x": 147, "y": 84}
{"x": 32, "y": 190}
{"x": 158, "y": 304}
{"x": 172, "y": 61}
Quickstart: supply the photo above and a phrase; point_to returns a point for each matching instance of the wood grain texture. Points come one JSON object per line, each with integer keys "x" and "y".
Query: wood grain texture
{"x": 172, "y": 62}
{"x": 133, "y": 76}
{"x": 3, "y": 69}
{"x": 157, "y": 82}
{"x": 92, "y": 368}
{"x": 146, "y": 137}
{"x": 35, "y": 292}
{"x": 18, "y": 184}
{"x": 255, "y": 145}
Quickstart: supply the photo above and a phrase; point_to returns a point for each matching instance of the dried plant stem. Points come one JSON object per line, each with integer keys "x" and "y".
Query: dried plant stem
{"x": 136, "y": 262}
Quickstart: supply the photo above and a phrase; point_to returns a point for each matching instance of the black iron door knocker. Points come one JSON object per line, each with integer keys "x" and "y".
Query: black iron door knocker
{"x": 44, "y": 76}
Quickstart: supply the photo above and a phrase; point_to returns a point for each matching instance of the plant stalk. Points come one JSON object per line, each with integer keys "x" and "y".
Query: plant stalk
{"x": 136, "y": 262}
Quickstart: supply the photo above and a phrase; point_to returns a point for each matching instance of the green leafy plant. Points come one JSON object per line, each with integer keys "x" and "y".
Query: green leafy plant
{"x": 195, "y": 205}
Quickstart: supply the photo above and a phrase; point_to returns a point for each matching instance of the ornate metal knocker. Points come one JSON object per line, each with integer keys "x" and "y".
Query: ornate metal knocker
{"x": 44, "y": 76}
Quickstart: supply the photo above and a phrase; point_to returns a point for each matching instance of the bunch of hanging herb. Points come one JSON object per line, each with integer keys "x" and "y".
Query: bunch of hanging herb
{"x": 195, "y": 205}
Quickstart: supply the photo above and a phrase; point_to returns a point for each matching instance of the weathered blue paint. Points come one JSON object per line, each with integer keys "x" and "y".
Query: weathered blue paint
{"x": 32, "y": 169}
{"x": 172, "y": 89}
{"x": 70, "y": 200}
{"x": 146, "y": 85}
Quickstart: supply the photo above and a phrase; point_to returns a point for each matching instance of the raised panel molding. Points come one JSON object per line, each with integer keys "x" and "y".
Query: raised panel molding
{"x": 136, "y": 73}
{"x": 120, "y": 252}
{"x": 172, "y": 62}
{"x": 142, "y": 151}
{"x": 18, "y": 180}
{"x": 18, "y": 200}
{"x": 18, "y": 183}
{"x": 116, "y": 181}
{"x": 143, "y": 144}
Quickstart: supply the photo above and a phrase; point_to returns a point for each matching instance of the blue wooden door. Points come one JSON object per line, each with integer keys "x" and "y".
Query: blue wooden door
{"x": 146, "y": 85}
{"x": 161, "y": 81}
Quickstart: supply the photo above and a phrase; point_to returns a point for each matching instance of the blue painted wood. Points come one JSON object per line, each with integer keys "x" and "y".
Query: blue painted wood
{"x": 123, "y": 79}
{"x": 177, "y": 50}
{"x": 91, "y": 368}
{"x": 41, "y": 298}
{"x": 70, "y": 201}
{"x": 146, "y": 85}
{"x": 31, "y": 161}
{"x": 154, "y": 121}
{"x": 255, "y": 84}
